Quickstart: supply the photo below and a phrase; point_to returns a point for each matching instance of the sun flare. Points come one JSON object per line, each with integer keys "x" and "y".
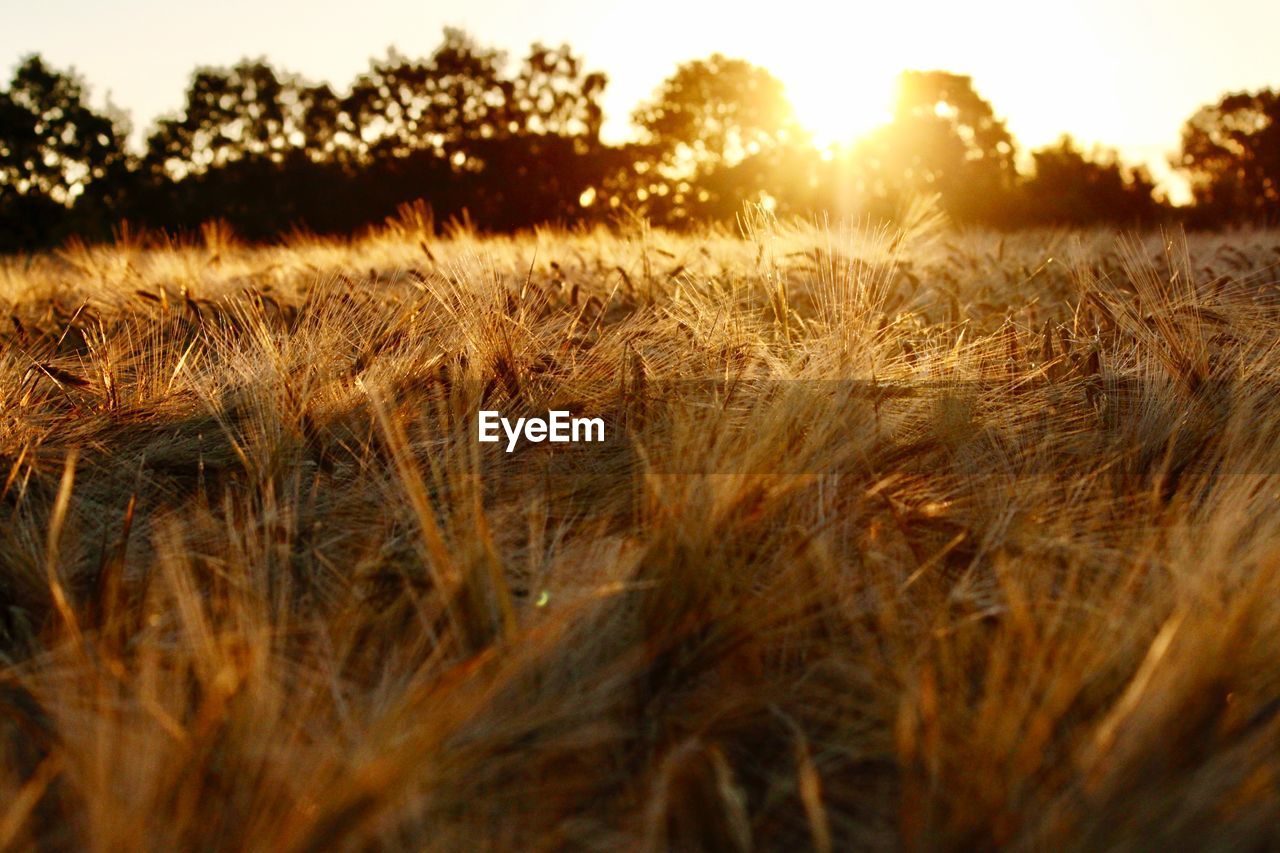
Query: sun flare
{"x": 838, "y": 112}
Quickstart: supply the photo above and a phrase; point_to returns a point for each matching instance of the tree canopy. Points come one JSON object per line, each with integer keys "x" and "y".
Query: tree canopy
{"x": 1231, "y": 151}
{"x": 707, "y": 136}
{"x": 944, "y": 138}
{"x": 1070, "y": 186}
{"x": 510, "y": 144}
{"x": 244, "y": 112}
{"x": 56, "y": 152}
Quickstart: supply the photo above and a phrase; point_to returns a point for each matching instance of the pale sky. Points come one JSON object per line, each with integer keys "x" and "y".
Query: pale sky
{"x": 1126, "y": 73}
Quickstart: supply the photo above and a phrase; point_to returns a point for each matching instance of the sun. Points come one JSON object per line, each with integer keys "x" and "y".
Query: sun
{"x": 838, "y": 109}
{"x": 858, "y": 115}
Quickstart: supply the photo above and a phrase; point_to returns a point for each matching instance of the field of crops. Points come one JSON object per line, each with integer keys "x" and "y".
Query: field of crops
{"x": 899, "y": 538}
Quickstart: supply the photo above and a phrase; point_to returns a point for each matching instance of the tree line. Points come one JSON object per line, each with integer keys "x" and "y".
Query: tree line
{"x": 508, "y": 146}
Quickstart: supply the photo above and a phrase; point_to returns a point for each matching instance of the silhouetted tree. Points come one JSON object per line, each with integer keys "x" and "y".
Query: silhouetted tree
{"x": 712, "y": 114}
{"x": 510, "y": 150}
{"x": 244, "y": 112}
{"x": 55, "y": 151}
{"x": 943, "y": 138}
{"x": 254, "y": 146}
{"x": 717, "y": 111}
{"x": 554, "y": 94}
{"x": 551, "y": 154}
{"x": 513, "y": 147}
{"x": 1231, "y": 151}
{"x": 438, "y": 105}
{"x": 1072, "y": 187}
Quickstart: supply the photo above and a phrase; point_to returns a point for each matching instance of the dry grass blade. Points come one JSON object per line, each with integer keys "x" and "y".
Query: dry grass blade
{"x": 898, "y": 537}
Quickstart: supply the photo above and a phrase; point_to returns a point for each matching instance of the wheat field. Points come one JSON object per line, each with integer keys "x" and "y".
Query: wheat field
{"x": 908, "y": 537}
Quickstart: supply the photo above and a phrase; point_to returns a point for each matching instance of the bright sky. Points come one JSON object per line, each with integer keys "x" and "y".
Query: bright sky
{"x": 1127, "y": 73}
